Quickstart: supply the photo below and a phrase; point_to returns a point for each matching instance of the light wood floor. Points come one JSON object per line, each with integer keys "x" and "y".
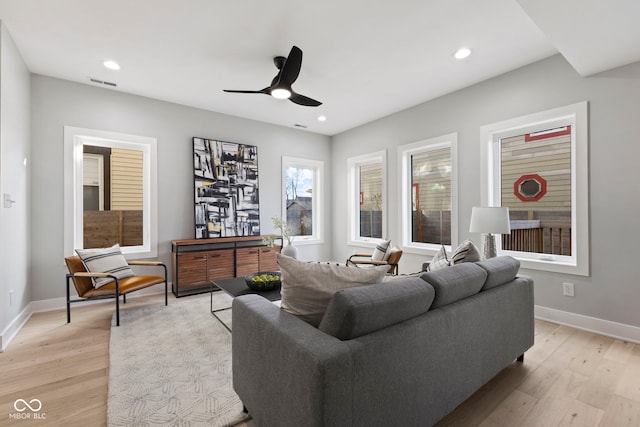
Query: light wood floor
{"x": 569, "y": 377}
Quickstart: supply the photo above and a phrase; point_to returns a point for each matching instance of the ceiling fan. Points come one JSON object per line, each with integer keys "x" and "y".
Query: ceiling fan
{"x": 281, "y": 84}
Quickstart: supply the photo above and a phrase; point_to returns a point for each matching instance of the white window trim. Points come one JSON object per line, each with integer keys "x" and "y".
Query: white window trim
{"x": 318, "y": 197}
{"x": 353, "y": 168}
{"x": 100, "y": 184}
{"x": 74, "y": 138}
{"x": 577, "y": 116}
{"x": 404, "y": 157}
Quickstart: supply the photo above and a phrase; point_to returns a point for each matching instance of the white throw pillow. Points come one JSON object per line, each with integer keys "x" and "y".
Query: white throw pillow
{"x": 105, "y": 260}
{"x": 439, "y": 260}
{"x": 307, "y": 287}
{"x": 380, "y": 251}
{"x": 465, "y": 252}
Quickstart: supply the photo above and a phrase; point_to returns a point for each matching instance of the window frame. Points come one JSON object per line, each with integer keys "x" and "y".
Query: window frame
{"x": 404, "y": 157}
{"x": 74, "y": 139}
{"x": 575, "y": 115}
{"x": 353, "y": 168}
{"x": 317, "y": 200}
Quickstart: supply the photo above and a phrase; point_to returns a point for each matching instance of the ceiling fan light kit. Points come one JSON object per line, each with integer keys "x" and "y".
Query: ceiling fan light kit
{"x": 280, "y": 93}
{"x": 280, "y": 88}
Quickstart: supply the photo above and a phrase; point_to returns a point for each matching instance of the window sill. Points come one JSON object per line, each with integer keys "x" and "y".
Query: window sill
{"x": 306, "y": 240}
{"x": 556, "y": 265}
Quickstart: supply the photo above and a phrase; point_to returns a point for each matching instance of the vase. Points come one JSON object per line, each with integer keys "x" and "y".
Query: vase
{"x": 290, "y": 251}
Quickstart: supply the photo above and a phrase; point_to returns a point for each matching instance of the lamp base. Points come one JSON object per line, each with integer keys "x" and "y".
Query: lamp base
{"x": 489, "y": 246}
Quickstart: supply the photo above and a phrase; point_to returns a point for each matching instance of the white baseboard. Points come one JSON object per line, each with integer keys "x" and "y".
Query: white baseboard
{"x": 52, "y": 304}
{"x": 591, "y": 324}
{"x": 14, "y": 327}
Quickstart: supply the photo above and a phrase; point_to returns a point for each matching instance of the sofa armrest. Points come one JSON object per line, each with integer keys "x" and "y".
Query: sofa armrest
{"x": 286, "y": 371}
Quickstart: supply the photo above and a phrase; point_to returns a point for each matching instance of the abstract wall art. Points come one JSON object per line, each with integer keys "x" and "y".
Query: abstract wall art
{"x": 225, "y": 189}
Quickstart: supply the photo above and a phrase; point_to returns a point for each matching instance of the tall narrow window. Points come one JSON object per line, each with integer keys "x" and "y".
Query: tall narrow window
{"x": 536, "y": 187}
{"x": 110, "y": 191}
{"x": 429, "y": 193}
{"x": 537, "y": 166}
{"x": 367, "y": 198}
{"x": 302, "y": 201}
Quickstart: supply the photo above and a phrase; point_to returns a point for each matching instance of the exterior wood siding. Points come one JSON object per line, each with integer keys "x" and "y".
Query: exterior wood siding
{"x": 126, "y": 179}
{"x": 431, "y": 171}
{"x": 549, "y": 158}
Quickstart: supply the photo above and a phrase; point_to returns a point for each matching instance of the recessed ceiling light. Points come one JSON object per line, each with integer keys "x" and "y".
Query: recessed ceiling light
{"x": 462, "y": 53}
{"x": 322, "y": 118}
{"x": 112, "y": 65}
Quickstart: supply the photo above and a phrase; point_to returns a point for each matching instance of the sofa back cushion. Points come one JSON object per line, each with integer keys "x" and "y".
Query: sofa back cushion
{"x": 500, "y": 270}
{"x": 358, "y": 311}
{"x": 455, "y": 283}
{"x": 307, "y": 287}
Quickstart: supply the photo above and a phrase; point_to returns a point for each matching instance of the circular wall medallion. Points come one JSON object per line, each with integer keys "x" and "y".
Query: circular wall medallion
{"x": 530, "y": 187}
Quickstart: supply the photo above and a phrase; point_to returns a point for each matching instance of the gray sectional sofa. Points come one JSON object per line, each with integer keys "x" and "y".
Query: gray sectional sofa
{"x": 403, "y": 352}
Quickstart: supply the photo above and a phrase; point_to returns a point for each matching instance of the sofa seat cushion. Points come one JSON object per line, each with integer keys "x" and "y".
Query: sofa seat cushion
{"x": 359, "y": 311}
{"x": 500, "y": 270}
{"x": 307, "y": 287}
{"x": 455, "y": 283}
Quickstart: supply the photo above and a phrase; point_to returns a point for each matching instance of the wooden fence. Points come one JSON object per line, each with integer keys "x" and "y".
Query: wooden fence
{"x": 548, "y": 237}
{"x": 105, "y": 228}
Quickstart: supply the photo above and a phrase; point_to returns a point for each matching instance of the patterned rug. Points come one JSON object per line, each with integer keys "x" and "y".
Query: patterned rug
{"x": 171, "y": 366}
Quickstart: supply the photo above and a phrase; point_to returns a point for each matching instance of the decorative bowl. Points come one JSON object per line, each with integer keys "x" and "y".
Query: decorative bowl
{"x": 263, "y": 281}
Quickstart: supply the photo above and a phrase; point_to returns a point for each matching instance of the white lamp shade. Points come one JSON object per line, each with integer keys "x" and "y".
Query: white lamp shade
{"x": 494, "y": 220}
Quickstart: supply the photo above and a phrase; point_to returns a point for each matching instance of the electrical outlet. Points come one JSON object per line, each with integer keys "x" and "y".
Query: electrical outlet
{"x": 11, "y": 297}
{"x": 568, "y": 289}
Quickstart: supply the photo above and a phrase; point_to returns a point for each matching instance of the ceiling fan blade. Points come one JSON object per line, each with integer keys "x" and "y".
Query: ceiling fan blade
{"x": 304, "y": 100}
{"x": 265, "y": 91}
{"x": 291, "y": 68}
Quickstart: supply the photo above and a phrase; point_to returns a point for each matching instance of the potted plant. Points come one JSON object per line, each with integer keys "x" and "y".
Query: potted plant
{"x": 287, "y": 234}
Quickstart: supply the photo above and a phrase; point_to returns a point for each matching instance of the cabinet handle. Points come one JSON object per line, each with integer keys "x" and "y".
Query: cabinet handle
{"x": 214, "y": 255}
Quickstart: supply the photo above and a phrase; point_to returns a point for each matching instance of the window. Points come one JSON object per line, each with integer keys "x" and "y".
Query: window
{"x": 110, "y": 191}
{"x": 367, "y": 198}
{"x": 302, "y": 201}
{"x": 429, "y": 193}
{"x": 537, "y": 166}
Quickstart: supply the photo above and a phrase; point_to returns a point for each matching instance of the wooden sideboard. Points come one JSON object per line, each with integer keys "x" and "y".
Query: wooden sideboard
{"x": 197, "y": 262}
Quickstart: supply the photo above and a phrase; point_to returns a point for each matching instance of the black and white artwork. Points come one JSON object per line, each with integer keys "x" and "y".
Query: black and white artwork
{"x": 226, "y": 189}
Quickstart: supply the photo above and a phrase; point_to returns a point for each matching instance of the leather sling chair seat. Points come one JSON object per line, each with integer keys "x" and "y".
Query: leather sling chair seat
{"x": 365, "y": 259}
{"x": 84, "y": 285}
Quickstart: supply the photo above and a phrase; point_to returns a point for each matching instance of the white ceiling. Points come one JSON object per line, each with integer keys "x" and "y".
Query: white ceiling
{"x": 363, "y": 60}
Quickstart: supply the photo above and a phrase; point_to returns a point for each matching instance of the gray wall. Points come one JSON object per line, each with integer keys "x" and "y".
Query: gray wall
{"x": 56, "y": 103}
{"x": 14, "y": 180}
{"x": 611, "y": 292}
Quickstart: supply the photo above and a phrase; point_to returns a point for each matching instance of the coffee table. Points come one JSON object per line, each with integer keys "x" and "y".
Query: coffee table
{"x": 237, "y": 286}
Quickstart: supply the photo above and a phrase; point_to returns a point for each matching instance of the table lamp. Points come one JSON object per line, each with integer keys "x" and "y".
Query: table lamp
{"x": 489, "y": 221}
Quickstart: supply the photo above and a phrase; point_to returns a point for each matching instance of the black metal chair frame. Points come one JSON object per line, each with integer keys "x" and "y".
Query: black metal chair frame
{"x": 117, "y": 291}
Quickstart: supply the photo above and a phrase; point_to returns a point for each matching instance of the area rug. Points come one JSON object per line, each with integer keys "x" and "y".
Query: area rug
{"x": 171, "y": 366}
